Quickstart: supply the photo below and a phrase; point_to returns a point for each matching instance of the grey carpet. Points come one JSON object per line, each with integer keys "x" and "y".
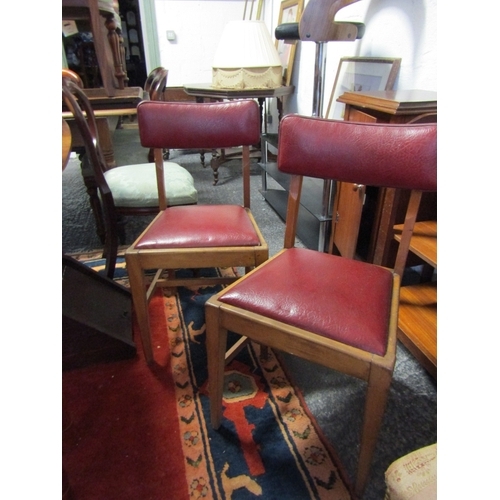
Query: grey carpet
{"x": 335, "y": 400}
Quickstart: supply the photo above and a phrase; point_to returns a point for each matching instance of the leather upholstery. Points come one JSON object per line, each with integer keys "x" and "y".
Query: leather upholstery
{"x": 394, "y": 156}
{"x": 342, "y": 299}
{"x": 184, "y": 125}
{"x": 200, "y": 226}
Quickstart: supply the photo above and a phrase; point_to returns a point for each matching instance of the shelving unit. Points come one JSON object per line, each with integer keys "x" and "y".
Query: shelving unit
{"x": 316, "y": 200}
{"x": 417, "y": 326}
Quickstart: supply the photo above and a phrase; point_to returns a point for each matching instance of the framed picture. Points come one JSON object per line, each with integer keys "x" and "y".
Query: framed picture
{"x": 361, "y": 73}
{"x": 290, "y": 12}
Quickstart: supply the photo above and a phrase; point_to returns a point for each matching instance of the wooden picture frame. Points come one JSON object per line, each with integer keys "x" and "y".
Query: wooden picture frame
{"x": 361, "y": 73}
{"x": 290, "y": 12}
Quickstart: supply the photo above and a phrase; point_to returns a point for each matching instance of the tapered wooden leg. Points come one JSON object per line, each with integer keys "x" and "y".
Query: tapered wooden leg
{"x": 140, "y": 301}
{"x": 376, "y": 399}
{"x": 264, "y": 352}
{"x": 216, "y": 350}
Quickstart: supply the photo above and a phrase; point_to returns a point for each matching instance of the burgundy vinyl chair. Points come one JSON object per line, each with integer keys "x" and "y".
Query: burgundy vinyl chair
{"x": 334, "y": 311}
{"x": 196, "y": 236}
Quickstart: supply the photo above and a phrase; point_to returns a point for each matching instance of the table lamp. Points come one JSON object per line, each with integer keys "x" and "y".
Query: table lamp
{"x": 246, "y": 58}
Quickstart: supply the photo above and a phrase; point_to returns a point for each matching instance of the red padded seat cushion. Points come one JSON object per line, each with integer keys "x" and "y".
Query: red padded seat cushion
{"x": 201, "y": 226}
{"x": 342, "y": 299}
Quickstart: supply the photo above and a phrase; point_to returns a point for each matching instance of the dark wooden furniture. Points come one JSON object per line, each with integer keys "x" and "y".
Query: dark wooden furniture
{"x": 156, "y": 83}
{"x": 96, "y": 317}
{"x": 417, "y": 322}
{"x": 204, "y": 92}
{"x": 96, "y": 312}
{"x": 66, "y": 143}
{"x": 394, "y": 106}
{"x": 129, "y": 189}
{"x": 107, "y": 112}
{"x": 196, "y": 236}
{"x": 392, "y": 209}
{"x": 104, "y": 22}
{"x": 341, "y": 313}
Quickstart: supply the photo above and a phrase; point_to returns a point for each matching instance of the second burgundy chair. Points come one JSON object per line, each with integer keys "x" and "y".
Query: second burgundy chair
{"x": 195, "y": 236}
{"x": 330, "y": 310}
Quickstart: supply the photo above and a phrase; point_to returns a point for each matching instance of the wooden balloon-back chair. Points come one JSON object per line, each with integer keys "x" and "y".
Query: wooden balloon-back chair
{"x": 137, "y": 189}
{"x": 330, "y": 310}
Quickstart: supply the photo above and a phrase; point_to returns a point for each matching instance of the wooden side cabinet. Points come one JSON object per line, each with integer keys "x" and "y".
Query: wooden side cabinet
{"x": 382, "y": 206}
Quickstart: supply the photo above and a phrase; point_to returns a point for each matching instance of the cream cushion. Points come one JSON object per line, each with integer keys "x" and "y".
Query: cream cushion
{"x": 414, "y": 476}
{"x": 135, "y": 185}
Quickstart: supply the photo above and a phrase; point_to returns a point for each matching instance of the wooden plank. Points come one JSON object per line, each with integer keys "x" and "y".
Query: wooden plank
{"x": 393, "y": 102}
{"x": 177, "y": 94}
{"x": 417, "y": 324}
{"x": 423, "y": 241}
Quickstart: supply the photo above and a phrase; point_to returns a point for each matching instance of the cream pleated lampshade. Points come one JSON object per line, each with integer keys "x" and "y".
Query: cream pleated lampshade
{"x": 246, "y": 58}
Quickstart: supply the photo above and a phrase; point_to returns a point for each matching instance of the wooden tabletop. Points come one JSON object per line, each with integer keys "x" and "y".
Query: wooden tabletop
{"x": 66, "y": 143}
{"x": 392, "y": 101}
{"x": 123, "y": 104}
{"x": 206, "y": 90}
{"x": 105, "y": 113}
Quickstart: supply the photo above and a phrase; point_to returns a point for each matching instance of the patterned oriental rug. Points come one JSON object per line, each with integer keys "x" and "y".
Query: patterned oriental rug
{"x": 143, "y": 432}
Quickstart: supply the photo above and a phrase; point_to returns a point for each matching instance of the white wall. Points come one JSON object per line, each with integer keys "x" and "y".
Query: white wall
{"x": 198, "y": 25}
{"x": 394, "y": 28}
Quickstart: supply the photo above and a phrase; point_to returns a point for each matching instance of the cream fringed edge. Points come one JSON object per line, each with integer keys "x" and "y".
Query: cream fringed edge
{"x": 414, "y": 476}
{"x": 247, "y": 78}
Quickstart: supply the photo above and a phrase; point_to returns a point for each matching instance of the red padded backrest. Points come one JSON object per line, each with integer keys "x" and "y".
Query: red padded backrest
{"x": 398, "y": 156}
{"x": 185, "y": 125}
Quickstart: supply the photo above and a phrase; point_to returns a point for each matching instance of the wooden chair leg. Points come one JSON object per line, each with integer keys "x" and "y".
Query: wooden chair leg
{"x": 216, "y": 350}
{"x": 110, "y": 253}
{"x": 376, "y": 399}
{"x": 138, "y": 289}
{"x": 264, "y": 352}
